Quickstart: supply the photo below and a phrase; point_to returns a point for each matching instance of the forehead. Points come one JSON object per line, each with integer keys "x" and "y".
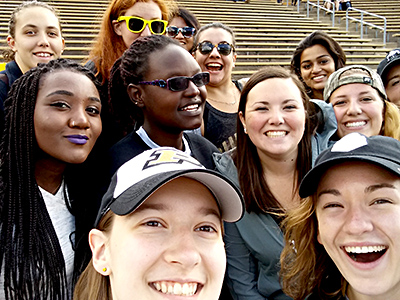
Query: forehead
{"x": 67, "y": 79}
{"x": 393, "y": 71}
{"x": 215, "y": 35}
{"x": 287, "y": 90}
{"x": 147, "y": 10}
{"x": 345, "y": 175}
{"x": 355, "y": 88}
{"x": 313, "y": 52}
{"x": 178, "y": 22}
{"x": 173, "y": 60}
{"x": 38, "y": 16}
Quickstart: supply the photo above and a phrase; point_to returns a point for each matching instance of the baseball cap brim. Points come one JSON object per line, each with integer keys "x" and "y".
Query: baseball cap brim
{"x": 227, "y": 195}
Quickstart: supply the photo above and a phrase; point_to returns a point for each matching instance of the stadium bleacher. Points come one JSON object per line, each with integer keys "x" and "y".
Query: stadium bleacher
{"x": 266, "y": 32}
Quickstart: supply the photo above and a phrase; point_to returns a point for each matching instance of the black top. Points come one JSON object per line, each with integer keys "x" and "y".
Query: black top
{"x": 132, "y": 145}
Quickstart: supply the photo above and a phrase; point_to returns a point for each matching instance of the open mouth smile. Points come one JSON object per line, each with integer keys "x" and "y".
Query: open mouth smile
{"x": 175, "y": 288}
{"x": 365, "y": 254}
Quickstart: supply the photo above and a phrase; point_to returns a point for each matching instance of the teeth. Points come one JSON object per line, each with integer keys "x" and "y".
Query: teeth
{"x": 364, "y": 249}
{"x": 214, "y": 65}
{"x": 356, "y": 124}
{"x": 191, "y": 107}
{"x": 43, "y": 54}
{"x": 178, "y": 289}
{"x": 319, "y": 77}
{"x": 274, "y": 134}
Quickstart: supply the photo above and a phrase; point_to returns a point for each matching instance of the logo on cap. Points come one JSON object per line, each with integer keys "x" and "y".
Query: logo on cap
{"x": 162, "y": 157}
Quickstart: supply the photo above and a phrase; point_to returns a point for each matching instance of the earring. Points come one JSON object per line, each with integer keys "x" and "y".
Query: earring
{"x": 104, "y": 269}
{"x": 245, "y": 130}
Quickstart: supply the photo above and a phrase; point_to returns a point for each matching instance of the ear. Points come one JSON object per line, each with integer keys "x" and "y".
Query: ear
{"x": 319, "y": 238}
{"x": 135, "y": 94}
{"x": 63, "y": 45}
{"x": 234, "y": 56}
{"x": 242, "y": 120}
{"x": 98, "y": 245}
{"x": 11, "y": 43}
{"x": 117, "y": 27}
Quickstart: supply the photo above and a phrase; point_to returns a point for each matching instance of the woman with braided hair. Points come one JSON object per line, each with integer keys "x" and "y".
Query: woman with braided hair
{"x": 52, "y": 122}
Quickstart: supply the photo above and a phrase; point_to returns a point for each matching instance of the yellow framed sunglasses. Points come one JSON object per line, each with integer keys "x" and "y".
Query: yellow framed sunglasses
{"x": 137, "y": 24}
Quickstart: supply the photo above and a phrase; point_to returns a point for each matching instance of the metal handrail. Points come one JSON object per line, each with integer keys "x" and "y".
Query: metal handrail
{"x": 362, "y": 22}
{"x": 323, "y": 8}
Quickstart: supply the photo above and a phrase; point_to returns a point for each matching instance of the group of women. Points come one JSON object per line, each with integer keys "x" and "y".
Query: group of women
{"x": 157, "y": 79}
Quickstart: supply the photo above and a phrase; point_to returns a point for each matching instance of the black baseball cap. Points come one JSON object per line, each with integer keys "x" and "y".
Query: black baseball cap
{"x": 379, "y": 150}
{"x": 391, "y": 59}
{"x": 140, "y": 177}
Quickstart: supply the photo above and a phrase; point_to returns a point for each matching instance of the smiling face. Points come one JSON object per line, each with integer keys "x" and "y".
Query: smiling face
{"x": 219, "y": 66}
{"x": 173, "y": 242}
{"x": 358, "y": 212}
{"x": 37, "y": 37}
{"x": 358, "y": 108}
{"x": 275, "y": 117}
{"x": 146, "y": 10}
{"x": 166, "y": 111}
{"x": 186, "y": 43}
{"x": 316, "y": 65}
{"x": 392, "y": 85}
{"x": 67, "y": 116}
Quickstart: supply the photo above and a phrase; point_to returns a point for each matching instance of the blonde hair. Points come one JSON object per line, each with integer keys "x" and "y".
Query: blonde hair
{"x": 391, "y": 121}
{"x": 91, "y": 284}
{"x": 305, "y": 265}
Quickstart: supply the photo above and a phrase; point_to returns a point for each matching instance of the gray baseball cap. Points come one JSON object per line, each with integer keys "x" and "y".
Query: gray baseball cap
{"x": 336, "y": 80}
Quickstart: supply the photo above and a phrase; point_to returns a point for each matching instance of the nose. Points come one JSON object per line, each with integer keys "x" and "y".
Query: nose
{"x": 79, "y": 119}
{"x": 192, "y": 90}
{"x": 357, "y": 221}
{"x": 146, "y": 31}
{"x": 179, "y": 35}
{"x": 316, "y": 68}
{"x": 43, "y": 40}
{"x": 182, "y": 251}
{"x": 354, "y": 108}
{"x": 276, "y": 117}
{"x": 214, "y": 53}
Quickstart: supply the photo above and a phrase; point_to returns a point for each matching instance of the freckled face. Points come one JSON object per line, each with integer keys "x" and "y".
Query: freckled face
{"x": 67, "y": 116}
{"x": 358, "y": 212}
{"x": 174, "y": 244}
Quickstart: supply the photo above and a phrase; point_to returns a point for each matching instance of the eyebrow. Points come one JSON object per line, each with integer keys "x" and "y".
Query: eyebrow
{"x": 334, "y": 192}
{"x": 393, "y": 77}
{"x": 321, "y": 56}
{"x": 34, "y": 26}
{"x": 68, "y": 93}
{"x": 283, "y": 102}
{"x": 375, "y": 187}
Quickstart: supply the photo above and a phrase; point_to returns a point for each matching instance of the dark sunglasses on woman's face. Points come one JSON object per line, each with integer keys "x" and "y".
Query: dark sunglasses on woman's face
{"x": 180, "y": 83}
{"x": 137, "y": 24}
{"x": 224, "y": 48}
{"x": 187, "y": 31}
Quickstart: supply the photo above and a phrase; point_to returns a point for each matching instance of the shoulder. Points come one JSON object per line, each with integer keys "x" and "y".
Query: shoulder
{"x": 202, "y": 149}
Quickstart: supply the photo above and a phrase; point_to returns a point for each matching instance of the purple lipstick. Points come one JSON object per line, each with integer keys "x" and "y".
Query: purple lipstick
{"x": 78, "y": 139}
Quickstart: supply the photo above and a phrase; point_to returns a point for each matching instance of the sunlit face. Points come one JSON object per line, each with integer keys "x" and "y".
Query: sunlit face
{"x": 170, "y": 248}
{"x": 316, "y": 65}
{"x": 167, "y": 111}
{"x": 67, "y": 116}
{"x": 275, "y": 117}
{"x": 37, "y": 37}
{"x": 146, "y": 10}
{"x": 358, "y": 108}
{"x": 186, "y": 43}
{"x": 392, "y": 85}
{"x": 358, "y": 212}
{"x": 219, "y": 66}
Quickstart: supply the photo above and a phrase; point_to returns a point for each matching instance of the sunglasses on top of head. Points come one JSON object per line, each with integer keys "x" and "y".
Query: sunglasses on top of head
{"x": 137, "y": 24}
{"x": 180, "y": 83}
{"x": 187, "y": 32}
{"x": 224, "y": 48}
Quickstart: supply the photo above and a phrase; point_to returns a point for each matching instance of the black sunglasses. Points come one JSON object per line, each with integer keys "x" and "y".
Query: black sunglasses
{"x": 187, "y": 31}
{"x": 224, "y": 48}
{"x": 180, "y": 83}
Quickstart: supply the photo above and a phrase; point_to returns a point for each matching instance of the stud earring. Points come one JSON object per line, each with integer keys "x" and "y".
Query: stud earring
{"x": 104, "y": 269}
{"x": 73, "y": 123}
{"x": 245, "y": 130}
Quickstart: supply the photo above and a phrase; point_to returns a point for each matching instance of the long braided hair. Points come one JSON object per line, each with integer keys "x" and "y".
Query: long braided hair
{"x": 131, "y": 67}
{"x": 31, "y": 260}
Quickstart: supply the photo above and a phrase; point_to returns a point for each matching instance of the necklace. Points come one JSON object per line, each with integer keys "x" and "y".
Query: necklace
{"x": 223, "y": 102}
